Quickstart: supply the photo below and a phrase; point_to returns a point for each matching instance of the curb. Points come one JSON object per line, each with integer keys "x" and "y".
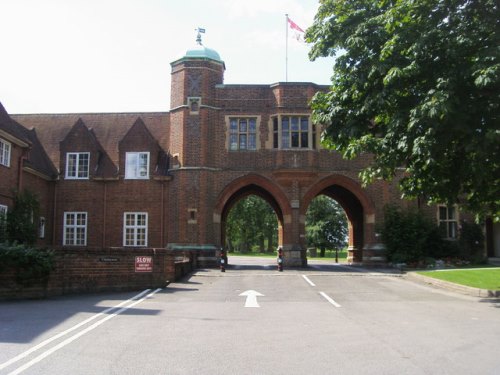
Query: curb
{"x": 475, "y": 292}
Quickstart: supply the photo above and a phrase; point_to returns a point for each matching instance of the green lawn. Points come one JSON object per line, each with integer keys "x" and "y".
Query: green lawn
{"x": 252, "y": 254}
{"x": 477, "y": 278}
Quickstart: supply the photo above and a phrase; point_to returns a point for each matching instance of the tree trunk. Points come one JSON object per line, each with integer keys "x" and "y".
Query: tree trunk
{"x": 270, "y": 247}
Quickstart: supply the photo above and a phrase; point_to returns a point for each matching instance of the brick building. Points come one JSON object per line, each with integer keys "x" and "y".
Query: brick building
{"x": 169, "y": 179}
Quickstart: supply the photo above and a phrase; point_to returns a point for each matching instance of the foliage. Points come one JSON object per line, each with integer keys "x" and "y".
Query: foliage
{"x": 417, "y": 85}
{"x": 30, "y": 265}
{"x": 326, "y": 224}
{"x": 409, "y": 237}
{"x": 471, "y": 241}
{"x": 251, "y": 223}
{"x": 21, "y": 224}
{"x": 3, "y": 227}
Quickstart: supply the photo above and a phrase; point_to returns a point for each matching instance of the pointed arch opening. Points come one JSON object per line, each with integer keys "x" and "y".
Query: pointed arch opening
{"x": 258, "y": 194}
{"x": 357, "y": 206}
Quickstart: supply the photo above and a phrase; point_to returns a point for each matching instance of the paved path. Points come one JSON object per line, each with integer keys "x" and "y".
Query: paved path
{"x": 320, "y": 320}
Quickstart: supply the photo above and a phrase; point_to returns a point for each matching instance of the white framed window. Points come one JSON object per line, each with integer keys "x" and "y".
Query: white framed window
{"x": 41, "y": 227}
{"x": 448, "y": 221}
{"x": 75, "y": 229}
{"x": 77, "y": 165}
{"x": 242, "y": 133}
{"x": 137, "y": 165}
{"x": 293, "y": 132}
{"x": 5, "y": 149}
{"x": 135, "y": 229}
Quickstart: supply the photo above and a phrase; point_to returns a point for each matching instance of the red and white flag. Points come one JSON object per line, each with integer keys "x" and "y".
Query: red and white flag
{"x": 298, "y": 33}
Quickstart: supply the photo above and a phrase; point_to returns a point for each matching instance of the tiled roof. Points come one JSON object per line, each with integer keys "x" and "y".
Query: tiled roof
{"x": 109, "y": 128}
{"x": 37, "y": 158}
{"x": 9, "y": 126}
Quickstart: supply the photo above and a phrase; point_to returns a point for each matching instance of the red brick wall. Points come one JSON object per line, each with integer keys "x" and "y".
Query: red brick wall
{"x": 86, "y": 270}
{"x": 9, "y": 176}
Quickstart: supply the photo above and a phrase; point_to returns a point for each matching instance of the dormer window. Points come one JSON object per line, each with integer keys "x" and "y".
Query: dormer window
{"x": 77, "y": 165}
{"x": 137, "y": 165}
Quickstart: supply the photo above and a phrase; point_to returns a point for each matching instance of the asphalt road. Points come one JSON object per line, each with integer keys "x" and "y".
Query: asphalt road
{"x": 326, "y": 319}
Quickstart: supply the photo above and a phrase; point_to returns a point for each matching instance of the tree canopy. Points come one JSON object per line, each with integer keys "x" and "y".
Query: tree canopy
{"x": 251, "y": 223}
{"x": 326, "y": 224}
{"x": 416, "y": 83}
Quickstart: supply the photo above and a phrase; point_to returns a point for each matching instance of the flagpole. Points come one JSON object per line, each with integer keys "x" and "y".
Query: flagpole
{"x": 286, "y": 48}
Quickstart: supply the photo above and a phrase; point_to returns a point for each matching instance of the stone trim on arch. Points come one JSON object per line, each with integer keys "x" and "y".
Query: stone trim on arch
{"x": 359, "y": 208}
{"x": 343, "y": 181}
{"x": 253, "y": 179}
{"x": 247, "y": 185}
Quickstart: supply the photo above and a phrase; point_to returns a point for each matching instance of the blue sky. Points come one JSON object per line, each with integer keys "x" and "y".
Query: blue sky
{"x": 63, "y": 56}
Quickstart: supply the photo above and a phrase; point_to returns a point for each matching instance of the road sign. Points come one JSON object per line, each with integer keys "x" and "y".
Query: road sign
{"x": 144, "y": 264}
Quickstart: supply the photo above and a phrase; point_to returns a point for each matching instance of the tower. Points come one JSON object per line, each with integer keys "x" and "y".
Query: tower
{"x": 193, "y": 120}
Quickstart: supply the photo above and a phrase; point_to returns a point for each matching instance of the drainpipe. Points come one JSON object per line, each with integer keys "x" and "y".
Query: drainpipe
{"x": 23, "y": 157}
{"x": 54, "y": 214}
{"x": 162, "y": 230}
{"x": 104, "y": 212}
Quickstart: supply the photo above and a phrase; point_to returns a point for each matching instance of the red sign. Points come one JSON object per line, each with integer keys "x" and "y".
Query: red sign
{"x": 143, "y": 264}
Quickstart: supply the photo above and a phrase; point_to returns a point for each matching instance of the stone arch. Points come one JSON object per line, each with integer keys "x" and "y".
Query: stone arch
{"x": 252, "y": 184}
{"x": 359, "y": 208}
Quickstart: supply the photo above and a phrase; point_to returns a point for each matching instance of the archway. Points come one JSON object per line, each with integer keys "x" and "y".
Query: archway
{"x": 251, "y": 217}
{"x": 357, "y": 206}
{"x": 244, "y": 187}
{"x": 326, "y": 228}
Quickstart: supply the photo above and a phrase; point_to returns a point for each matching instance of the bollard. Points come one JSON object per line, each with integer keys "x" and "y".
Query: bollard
{"x": 280, "y": 259}
{"x": 222, "y": 261}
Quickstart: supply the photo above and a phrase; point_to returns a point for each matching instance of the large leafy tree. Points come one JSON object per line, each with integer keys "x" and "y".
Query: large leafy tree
{"x": 251, "y": 223}
{"x": 326, "y": 224}
{"x": 416, "y": 83}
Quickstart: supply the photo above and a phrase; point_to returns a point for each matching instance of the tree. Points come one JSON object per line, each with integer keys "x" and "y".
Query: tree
{"x": 21, "y": 225}
{"x": 250, "y": 223}
{"x": 416, "y": 83}
{"x": 326, "y": 224}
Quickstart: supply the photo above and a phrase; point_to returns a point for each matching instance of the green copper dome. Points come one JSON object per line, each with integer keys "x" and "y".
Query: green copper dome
{"x": 202, "y": 52}
{"x": 199, "y": 51}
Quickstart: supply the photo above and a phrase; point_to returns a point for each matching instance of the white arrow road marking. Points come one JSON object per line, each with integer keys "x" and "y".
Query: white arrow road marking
{"x": 251, "y": 300}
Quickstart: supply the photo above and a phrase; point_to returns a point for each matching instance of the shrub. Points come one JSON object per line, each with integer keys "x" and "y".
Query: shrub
{"x": 410, "y": 237}
{"x": 21, "y": 226}
{"x": 30, "y": 265}
{"x": 471, "y": 241}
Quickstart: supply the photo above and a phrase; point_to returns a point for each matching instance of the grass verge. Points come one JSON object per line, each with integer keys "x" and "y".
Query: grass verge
{"x": 476, "y": 278}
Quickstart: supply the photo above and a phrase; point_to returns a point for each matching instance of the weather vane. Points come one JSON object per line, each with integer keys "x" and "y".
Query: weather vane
{"x": 200, "y": 31}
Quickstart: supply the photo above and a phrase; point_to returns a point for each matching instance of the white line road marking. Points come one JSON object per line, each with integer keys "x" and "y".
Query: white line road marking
{"x": 78, "y": 335}
{"x": 308, "y": 280}
{"x": 327, "y": 297}
{"x": 63, "y": 333}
